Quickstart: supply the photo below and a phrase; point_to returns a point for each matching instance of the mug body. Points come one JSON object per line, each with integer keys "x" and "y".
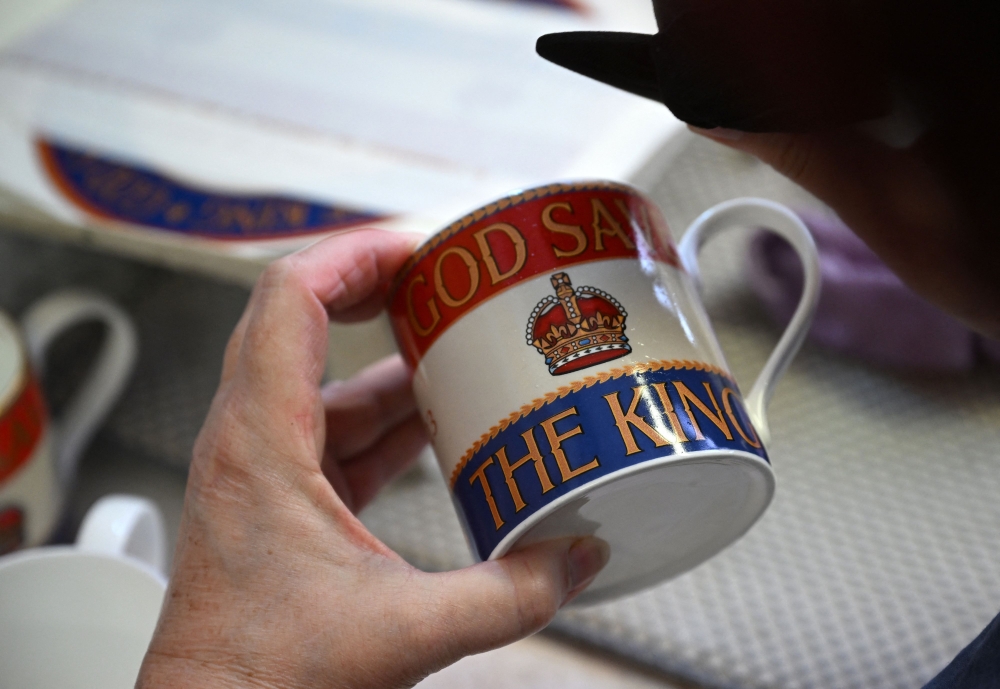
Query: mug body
{"x": 75, "y": 620}
{"x": 572, "y": 384}
{"x": 30, "y": 495}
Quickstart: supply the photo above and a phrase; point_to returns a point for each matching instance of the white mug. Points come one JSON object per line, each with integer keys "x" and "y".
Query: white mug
{"x": 82, "y": 616}
{"x": 38, "y": 457}
{"x": 572, "y": 384}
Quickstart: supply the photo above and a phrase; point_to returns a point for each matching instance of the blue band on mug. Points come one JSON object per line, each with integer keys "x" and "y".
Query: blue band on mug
{"x": 611, "y": 424}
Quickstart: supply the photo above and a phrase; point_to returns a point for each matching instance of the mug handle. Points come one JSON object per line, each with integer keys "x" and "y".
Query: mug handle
{"x": 44, "y": 322}
{"x": 125, "y": 526}
{"x": 779, "y": 219}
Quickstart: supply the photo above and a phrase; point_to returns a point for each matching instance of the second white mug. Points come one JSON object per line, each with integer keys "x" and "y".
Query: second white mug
{"x": 82, "y": 616}
{"x": 38, "y": 456}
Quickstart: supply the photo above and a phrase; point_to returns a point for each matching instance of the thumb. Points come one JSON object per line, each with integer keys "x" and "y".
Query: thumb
{"x": 884, "y": 194}
{"x": 495, "y": 603}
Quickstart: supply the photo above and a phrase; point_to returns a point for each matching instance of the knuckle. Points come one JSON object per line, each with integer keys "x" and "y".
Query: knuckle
{"x": 535, "y": 599}
{"x": 355, "y": 281}
{"x": 219, "y": 438}
{"x": 350, "y": 282}
{"x": 277, "y": 273}
{"x": 278, "y": 278}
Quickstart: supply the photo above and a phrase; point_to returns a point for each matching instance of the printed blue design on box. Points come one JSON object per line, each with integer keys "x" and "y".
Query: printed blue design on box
{"x": 563, "y": 4}
{"x": 593, "y": 432}
{"x": 129, "y": 193}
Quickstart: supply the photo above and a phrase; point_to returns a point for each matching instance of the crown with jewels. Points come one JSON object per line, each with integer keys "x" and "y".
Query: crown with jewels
{"x": 578, "y": 328}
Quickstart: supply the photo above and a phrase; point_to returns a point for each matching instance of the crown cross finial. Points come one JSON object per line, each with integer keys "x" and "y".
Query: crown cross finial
{"x": 567, "y": 297}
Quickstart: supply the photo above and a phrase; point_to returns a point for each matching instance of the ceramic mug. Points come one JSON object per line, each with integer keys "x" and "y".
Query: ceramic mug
{"x": 572, "y": 383}
{"x": 38, "y": 456}
{"x": 82, "y": 616}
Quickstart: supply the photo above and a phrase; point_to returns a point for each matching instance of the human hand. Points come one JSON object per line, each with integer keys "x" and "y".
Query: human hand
{"x": 929, "y": 211}
{"x": 748, "y": 72}
{"x": 276, "y": 583}
{"x": 926, "y": 204}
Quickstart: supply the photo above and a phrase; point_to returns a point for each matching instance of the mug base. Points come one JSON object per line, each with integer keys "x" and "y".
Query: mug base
{"x": 660, "y": 518}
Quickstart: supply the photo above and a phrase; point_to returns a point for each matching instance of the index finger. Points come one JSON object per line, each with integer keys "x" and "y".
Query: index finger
{"x": 283, "y": 344}
{"x": 350, "y": 272}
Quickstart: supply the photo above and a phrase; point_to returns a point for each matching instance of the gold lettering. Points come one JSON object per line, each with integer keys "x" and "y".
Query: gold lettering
{"x": 627, "y": 214}
{"x": 624, "y": 419}
{"x": 643, "y": 220}
{"x": 295, "y": 214}
{"x": 534, "y": 456}
{"x": 716, "y": 418}
{"x": 726, "y": 394}
{"x": 431, "y": 306}
{"x": 574, "y": 231}
{"x": 244, "y": 219}
{"x": 603, "y": 220}
{"x": 520, "y": 249}
{"x": 107, "y": 186}
{"x": 177, "y": 213}
{"x": 668, "y": 407}
{"x": 480, "y": 476}
{"x": 470, "y": 263}
{"x": 556, "y": 441}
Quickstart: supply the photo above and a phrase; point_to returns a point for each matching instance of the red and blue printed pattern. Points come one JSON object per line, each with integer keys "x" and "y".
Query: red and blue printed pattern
{"x": 116, "y": 191}
{"x": 574, "y": 5}
{"x": 21, "y": 427}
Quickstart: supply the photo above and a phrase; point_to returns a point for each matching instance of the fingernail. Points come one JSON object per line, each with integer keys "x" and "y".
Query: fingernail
{"x": 718, "y": 133}
{"x": 587, "y": 558}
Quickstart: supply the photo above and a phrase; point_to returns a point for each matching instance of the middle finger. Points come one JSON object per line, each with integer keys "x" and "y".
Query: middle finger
{"x": 361, "y": 410}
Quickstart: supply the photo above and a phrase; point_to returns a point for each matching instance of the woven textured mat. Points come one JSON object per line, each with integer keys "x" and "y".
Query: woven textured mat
{"x": 877, "y": 562}
{"x": 183, "y": 323}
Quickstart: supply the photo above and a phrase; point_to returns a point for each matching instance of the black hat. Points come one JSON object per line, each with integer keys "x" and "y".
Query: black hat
{"x": 753, "y": 65}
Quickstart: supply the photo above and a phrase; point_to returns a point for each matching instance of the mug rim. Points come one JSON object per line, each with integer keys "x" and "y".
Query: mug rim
{"x": 54, "y": 552}
{"x": 700, "y": 456}
{"x": 9, "y": 395}
{"x": 487, "y": 210}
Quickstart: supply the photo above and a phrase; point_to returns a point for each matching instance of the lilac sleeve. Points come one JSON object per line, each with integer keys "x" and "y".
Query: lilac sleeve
{"x": 865, "y": 310}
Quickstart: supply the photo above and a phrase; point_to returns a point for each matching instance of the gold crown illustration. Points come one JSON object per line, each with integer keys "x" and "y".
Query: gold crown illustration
{"x": 578, "y": 328}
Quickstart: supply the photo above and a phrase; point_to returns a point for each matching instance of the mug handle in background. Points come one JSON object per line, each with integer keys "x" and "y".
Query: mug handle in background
{"x": 125, "y": 526}
{"x": 44, "y": 322}
{"x": 749, "y": 212}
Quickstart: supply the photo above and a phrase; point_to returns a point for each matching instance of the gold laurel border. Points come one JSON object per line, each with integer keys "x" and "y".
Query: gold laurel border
{"x": 589, "y": 381}
{"x": 491, "y": 209}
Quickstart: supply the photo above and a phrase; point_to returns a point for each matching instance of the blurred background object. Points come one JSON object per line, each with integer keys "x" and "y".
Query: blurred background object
{"x": 865, "y": 310}
{"x": 216, "y": 135}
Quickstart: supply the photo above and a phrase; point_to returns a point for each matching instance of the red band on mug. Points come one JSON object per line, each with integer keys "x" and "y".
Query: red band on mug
{"x": 513, "y": 240}
{"x": 21, "y": 428}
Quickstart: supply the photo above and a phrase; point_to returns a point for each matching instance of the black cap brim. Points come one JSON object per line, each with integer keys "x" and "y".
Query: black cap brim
{"x": 622, "y": 60}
